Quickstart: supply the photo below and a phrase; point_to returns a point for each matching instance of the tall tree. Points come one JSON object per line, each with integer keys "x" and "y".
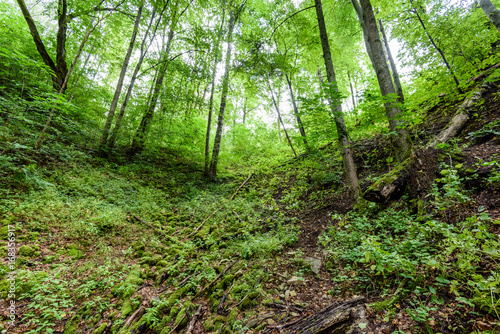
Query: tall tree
{"x": 233, "y": 17}
{"x": 212, "y": 91}
{"x": 415, "y": 10}
{"x": 336, "y": 108}
{"x": 400, "y": 138}
{"x": 296, "y": 111}
{"x": 119, "y": 85}
{"x": 140, "y": 135}
{"x": 395, "y": 73}
{"x": 491, "y": 11}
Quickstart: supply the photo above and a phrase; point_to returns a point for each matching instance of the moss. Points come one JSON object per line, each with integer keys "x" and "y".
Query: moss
{"x": 3, "y": 251}
{"x": 231, "y": 318}
{"x": 226, "y": 282}
{"x": 219, "y": 321}
{"x": 48, "y": 259}
{"x": 73, "y": 251}
{"x": 162, "y": 264}
{"x": 100, "y": 329}
{"x": 53, "y": 247}
{"x": 174, "y": 311}
{"x": 246, "y": 303}
{"x": 208, "y": 325}
{"x": 96, "y": 319}
{"x": 34, "y": 236}
{"x": 165, "y": 330}
{"x": 253, "y": 295}
{"x": 4, "y": 231}
{"x": 215, "y": 298}
{"x": 126, "y": 308}
{"x": 72, "y": 325}
{"x": 30, "y": 251}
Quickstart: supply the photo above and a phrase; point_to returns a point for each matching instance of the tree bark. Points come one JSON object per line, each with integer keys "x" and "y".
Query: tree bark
{"x": 394, "y": 183}
{"x": 400, "y": 138}
{"x": 296, "y": 111}
{"x": 64, "y": 83}
{"x": 119, "y": 85}
{"x": 144, "y": 50}
{"x": 438, "y": 49}
{"x": 352, "y": 90}
{"x": 336, "y": 108}
{"x": 225, "y": 86}
{"x": 206, "y": 170}
{"x": 491, "y": 11}
{"x": 61, "y": 66}
{"x": 279, "y": 116}
{"x": 39, "y": 44}
{"x": 140, "y": 135}
{"x": 395, "y": 74}
{"x": 359, "y": 13}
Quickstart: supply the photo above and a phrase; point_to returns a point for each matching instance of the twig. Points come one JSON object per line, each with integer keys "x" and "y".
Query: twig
{"x": 278, "y": 327}
{"x": 143, "y": 286}
{"x": 202, "y": 291}
{"x": 185, "y": 280}
{"x": 138, "y": 313}
{"x": 193, "y": 320}
{"x": 220, "y": 208}
{"x": 241, "y": 221}
{"x": 220, "y": 307}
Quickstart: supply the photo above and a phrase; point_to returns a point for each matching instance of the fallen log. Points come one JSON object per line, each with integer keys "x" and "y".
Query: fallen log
{"x": 393, "y": 184}
{"x": 347, "y": 317}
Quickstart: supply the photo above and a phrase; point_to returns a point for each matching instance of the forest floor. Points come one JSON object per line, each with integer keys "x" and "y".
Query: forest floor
{"x": 119, "y": 246}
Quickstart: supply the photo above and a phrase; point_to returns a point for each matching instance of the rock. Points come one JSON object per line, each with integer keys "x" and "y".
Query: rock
{"x": 314, "y": 263}
{"x": 296, "y": 280}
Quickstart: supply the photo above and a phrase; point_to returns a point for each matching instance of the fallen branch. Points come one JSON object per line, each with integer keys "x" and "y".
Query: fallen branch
{"x": 485, "y": 74}
{"x": 137, "y": 314}
{"x": 202, "y": 291}
{"x": 185, "y": 280}
{"x": 220, "y": 208}
{"x": 193, "y": 320}
{"x": 220, "y": 307}
{"x": 338, "y": 317}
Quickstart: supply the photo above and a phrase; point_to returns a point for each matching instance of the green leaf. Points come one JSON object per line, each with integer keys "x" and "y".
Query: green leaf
{"x": 362, "y": 325}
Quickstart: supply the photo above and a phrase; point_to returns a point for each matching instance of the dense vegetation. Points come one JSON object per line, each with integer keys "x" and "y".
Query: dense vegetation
{"x": 238, "y": 166}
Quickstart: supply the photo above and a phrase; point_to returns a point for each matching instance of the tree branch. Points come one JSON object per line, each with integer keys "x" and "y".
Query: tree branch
{"x": 276, "y": 28}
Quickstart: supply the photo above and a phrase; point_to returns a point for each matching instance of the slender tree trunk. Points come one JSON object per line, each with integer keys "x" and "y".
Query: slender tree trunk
{"x": 400, "y": 139}
{"x": 296, "y": 111}
{"x": 491, "y": 11}
{"x": 39, "y": 44}
{"x": 206, "y": 170}
{"x": 279, "y": 116}
{"x": 225, "y": 86}
{"x": 336, "y": 107}
{"x": 395, "y": 74}
{"x": 359, "y": 13}
{"x": 75, "y": 85}
{"x": 61, "y": 66}
{"x": 438, "y": 49}
{"x": 321, "y": 82}
{"x": 144, "y": 50}
{"x": 352, "y": 90}
{"x": 119, "y": 85}
{"x": 64, "y": 83}
{"x": 245, "y": 109}
{"x": 140, "y": 135}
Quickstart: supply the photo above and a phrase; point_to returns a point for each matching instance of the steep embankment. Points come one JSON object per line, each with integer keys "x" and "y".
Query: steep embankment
{"x": 108, "y": 246}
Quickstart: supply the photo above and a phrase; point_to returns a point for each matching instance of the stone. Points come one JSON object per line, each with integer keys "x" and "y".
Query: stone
{"x": 314, "y": 263}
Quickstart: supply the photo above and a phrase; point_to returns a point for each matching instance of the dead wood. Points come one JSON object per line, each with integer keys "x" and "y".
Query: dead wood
{"x": 393, "y": 184}
{"x": 337, "y": 318}
{"x": 213, "y": 213}
{"x": 202, "y": 291}
{"x": 136, "y": 315}
{"x": 193, "y": 320}
{"x": 220, "y": 307}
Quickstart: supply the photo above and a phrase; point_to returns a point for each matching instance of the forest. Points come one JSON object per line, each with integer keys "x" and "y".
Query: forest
{"x": 249, "y": 166}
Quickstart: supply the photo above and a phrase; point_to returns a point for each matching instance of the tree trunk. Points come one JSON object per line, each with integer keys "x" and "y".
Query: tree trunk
{"x": 296, "y": 111}
{"x": 39, "y": 44}
{"x": 336, "y": 107}
{"x": 225, "y": 86}
{"x": 359, "y": 13}
{"x": 395, "y": 74}
{"x": 140, "y": 135}
{"x": 144, "y": 50}
{"x": 211, "y": 101}
{"x": 338, "y": 318}
{"x": 279, "y": 116}
{"x": 75, "y": 85}
{"x": 394, "y": 183}
{"x": 119, "y": 85}
{"x": 352, "y": 90}
{"x": 400, "y": 138}
{"x": 64, "y": 83}
{"x": 61, "y": 66}
{"x": 491, "y": 11}
{"x": 438, "y": 49}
